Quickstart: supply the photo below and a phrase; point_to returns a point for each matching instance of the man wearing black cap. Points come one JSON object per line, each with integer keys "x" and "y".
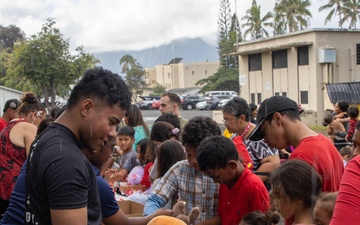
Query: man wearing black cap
{"x": 279, "y": 124}
{"x": 9, "y": 112}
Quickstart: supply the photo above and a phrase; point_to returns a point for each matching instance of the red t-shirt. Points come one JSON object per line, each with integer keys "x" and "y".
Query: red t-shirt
{"x": 243, "y": 153}
{"x": 322, "y": 155}
{"x": 248, "y": 194}
{"x": 2, "y": 123}
{"x": 347, "y": 207}
{"x": 145, "y": 179}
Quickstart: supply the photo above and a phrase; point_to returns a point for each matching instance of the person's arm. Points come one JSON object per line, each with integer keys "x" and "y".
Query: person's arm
{"x": 70, "y": 216}
{"x": 106, "y": 166}
{"x": 120, "y": 218}
{"x": 268, "y": 164}
{"x": 215, "y": 220}
{"x": 153, "y": 203}
{"x": 119, "y": 176}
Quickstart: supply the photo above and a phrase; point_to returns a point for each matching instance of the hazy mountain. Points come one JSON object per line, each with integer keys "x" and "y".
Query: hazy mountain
{"x": 191, "y": 50}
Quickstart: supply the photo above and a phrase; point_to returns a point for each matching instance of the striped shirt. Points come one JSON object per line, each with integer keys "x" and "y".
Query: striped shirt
{"x": 195, "y": 188}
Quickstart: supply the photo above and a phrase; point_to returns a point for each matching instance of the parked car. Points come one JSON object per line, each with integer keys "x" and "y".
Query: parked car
{"x": 147, "y": 101}
{"x": 189, "y": 102}
{"x": 214, "y": 103}
{"x": 224, "y": 101}
{"x": 201, "y": 105}
{"x": 156, "y": 104}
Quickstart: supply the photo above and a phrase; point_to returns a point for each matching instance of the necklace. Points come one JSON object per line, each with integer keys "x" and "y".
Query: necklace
{"x": 246, "y": 130}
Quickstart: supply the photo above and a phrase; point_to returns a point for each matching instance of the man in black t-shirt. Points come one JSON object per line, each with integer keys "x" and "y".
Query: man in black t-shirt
{"x": 61, "y": 185}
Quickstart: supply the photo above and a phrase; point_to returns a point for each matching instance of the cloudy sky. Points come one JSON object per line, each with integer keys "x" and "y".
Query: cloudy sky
{"x": 106, "y": 25}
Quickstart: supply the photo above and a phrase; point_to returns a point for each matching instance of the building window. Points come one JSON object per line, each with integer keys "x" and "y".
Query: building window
{"x": 259, "y": 98}
{"x": 303, "y": 55}
{"x": 205, "y": 72}
{"x": 357, "y": 54}
{"x": 284, "y": 94}
{"x": 252, "y": 98}
{"x": 255, "y": 62}
{"x": 193, "y": 72}
{"x": 169, "y": 75}
{"x": 277, "y": 93}
{"x": 304, "y": 97}
{"x": 279, "y": 59}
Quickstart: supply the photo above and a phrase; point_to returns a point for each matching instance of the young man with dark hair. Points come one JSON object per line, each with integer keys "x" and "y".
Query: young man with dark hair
{"x": 241, "y": 191}
{"x": 9, "y": 112}
{"x": 185, "y": 178}
{"x": 170, "y": 103}
{"x": 279, "y": 124}
{"x": 60, "y": 182}
{"x": 236, "y": 114}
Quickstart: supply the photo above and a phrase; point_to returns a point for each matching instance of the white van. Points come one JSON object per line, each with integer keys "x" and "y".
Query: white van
{"x": 211, "y": 94}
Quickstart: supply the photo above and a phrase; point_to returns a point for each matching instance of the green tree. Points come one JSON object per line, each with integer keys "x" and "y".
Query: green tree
{"x": 224, "y": 79}
{"x": 279, "y": 23}
{"x": 135, "y": 74}
{"x": 159, "y": 88}
{"x": 295, "y": 13}
{"x": 335, "y": 7}
{"x": 256, "y": 25}
{"x": 224, "y": 25}
{"x": 351, "y": 12}
{"x": 43, "y": 64}
{"x": 9, "y": 35}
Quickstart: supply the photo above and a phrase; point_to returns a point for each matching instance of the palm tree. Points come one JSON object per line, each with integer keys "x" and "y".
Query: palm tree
{"x": 127, "y": 62}
{"x": 336, "y": 9}
{"x": 255, "y": 23}
{"x": 295, "y": 13}
{"x": 351, "y": 12}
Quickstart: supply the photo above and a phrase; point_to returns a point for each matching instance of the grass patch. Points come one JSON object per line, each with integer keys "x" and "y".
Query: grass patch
{"x": 319, "y": 129}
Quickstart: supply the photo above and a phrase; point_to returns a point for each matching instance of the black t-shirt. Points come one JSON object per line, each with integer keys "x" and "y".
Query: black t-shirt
{"x": 59, "y": 176}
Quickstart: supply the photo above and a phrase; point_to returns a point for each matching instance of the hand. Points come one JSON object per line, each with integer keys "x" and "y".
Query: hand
{"x": 165, "y": 212}
{"x": 109, "y": 173}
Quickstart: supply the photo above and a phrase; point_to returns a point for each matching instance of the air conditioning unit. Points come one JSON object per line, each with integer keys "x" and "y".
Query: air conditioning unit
{"x": 327, "y": 55}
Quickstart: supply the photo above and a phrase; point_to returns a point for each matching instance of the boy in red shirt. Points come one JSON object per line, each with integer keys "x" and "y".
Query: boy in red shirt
{"x": 241, "y": 191}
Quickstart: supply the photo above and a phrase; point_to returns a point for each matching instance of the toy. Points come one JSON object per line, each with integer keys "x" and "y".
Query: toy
{"x": 178, "y": 212}
{"x": 135, "y": 175}
{"x": 165, "y": 220}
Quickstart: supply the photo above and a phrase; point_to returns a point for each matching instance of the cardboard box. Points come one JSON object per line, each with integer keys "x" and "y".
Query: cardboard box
{"x": 130, "y": 208}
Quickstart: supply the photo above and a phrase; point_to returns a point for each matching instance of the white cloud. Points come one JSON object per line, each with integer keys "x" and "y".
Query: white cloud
{"x": 104, "y": 25}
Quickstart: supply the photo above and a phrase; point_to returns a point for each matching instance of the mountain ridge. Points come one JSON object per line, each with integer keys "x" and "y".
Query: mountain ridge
{"x": 190, "y": 49}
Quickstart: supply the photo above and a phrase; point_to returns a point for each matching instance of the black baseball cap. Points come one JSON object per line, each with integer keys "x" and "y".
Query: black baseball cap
{"x": 11, "y": 103}
{"x": 268, "y": 107}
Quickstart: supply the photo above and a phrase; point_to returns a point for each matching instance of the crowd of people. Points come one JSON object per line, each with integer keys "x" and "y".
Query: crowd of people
{"x": 68, "y": 167}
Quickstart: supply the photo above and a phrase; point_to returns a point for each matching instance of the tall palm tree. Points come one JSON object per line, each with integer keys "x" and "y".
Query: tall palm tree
{"x": 351, "y": 12}
{"x": 127, "y": 62}
{"x": 295, "y": 13}
{"x": 255, "y": 23}
{"x": 336, "y": 10}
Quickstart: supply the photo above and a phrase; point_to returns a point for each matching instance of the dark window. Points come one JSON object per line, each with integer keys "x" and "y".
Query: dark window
{"x": 277, "y": 93}
{"x": 284, "y": 94}
{"x": 193, "y": 72}
{"x": 255, "y": 62}
{"x": 205, "y": 72}
{"x": 357, "y": 54}
{"x": 253, "y": 98}
{"x": 279, "y": 59}
{"x": 259, "y": 98}
{"x": 304, "y": 97}
{"x": 303, "y": 55}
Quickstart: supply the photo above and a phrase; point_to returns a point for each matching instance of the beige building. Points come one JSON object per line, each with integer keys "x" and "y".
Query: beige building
{"x": 298, "y": 65}
{"x": 176, "y": 74}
